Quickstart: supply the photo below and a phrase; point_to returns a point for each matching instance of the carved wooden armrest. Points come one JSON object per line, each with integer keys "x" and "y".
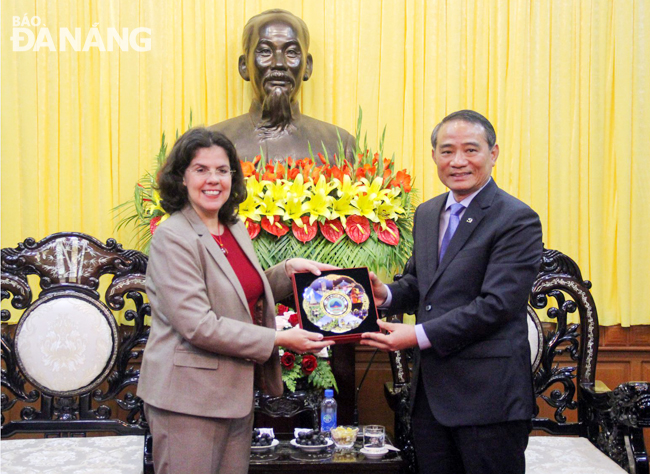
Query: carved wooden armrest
{"x": 616, "y": 419}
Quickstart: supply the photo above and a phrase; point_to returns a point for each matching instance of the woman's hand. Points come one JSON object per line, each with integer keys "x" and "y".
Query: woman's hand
{"x": 301, "y": 341}
{"x": 298, "y": 265}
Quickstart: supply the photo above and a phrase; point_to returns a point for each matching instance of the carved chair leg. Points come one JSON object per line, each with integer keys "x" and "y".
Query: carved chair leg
{"x": 637, "y": 454}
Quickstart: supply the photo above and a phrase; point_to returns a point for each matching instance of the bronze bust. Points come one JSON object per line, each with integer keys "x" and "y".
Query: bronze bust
{"x": 276, "y": 61}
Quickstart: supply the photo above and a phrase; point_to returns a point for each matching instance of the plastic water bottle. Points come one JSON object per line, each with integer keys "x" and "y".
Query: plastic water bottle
{"x": 328, "y": 412}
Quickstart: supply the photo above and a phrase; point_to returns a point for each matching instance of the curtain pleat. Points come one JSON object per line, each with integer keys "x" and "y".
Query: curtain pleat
{"x": 565, "y": 82}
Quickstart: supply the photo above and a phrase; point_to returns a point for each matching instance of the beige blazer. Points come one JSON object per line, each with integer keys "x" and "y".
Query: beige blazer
{"x": 202, "y": 346}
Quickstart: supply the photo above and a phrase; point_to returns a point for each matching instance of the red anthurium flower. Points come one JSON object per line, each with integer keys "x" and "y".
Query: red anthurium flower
{"x": 253, "y": 228}
{"x": 388, "y": 236}
{"x": 331, "y": 229}
{"x": 305, "y": 233}
{"x": 293, "y": 319}
{"x": 309, "y": 363}
{"x": 287, "y": 360}
{"x": 275, "y": 226}
{"x": 282, "y": 309}
{"x": 358, "y": 228}
{"x": 153, "y": 224}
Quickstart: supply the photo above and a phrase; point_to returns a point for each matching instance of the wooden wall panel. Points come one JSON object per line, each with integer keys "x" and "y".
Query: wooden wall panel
{"x": 645, "y": 370}
{"x": 611, "y": 371}
{"x": 373, "y": 408}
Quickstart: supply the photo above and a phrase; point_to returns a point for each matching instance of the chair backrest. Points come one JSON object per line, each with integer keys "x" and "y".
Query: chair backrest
{"x": 569, "y": 352}
{"x": 67, "y": 350}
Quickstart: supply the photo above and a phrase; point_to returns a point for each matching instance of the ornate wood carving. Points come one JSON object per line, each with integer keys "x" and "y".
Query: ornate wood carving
{"x": 71, "y": 264}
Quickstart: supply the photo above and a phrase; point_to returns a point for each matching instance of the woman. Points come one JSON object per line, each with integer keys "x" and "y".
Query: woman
{"x": 213, "y": 315}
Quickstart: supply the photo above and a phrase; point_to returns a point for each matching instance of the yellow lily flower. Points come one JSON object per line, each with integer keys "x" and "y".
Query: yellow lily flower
{"x": 342, "y": 207}
{"x": 154, "y": 205}
{"x": 255, "y": 187}
{"x": 320, "y": 201}
{"x": 373, "y": 188}
{"x": 297, "y": 187}
{"x": 346, "y": 187}
{"x": 276, "y": 190}
{"x": 294, "y": 210}
{"x": 365, "y": 203}
{"x": 389, "y": 208}
{"x": 269, "y": 206}
{"x": 250, "y": 208}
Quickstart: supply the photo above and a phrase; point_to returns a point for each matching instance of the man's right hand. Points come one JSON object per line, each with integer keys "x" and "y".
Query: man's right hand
{"x": 379, "y": 289}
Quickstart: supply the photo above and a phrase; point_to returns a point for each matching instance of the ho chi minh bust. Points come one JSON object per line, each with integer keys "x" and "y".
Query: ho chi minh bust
{"x": 276, "y": 61}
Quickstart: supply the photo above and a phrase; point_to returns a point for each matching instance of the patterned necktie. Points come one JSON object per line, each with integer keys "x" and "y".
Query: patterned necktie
{"x": 454, "y": 219}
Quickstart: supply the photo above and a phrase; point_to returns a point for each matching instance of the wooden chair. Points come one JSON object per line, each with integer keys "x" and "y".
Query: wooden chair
{"x": 563, "y": 361}
{"x": 67, "y": 362}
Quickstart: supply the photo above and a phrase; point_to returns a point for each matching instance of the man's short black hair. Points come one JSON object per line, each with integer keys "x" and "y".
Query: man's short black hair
{"x": 471, "y": 117}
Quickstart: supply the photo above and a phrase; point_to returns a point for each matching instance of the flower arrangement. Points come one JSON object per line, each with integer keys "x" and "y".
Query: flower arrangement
{"x": 350, "y": 214}
{"x": 316, "y": 367}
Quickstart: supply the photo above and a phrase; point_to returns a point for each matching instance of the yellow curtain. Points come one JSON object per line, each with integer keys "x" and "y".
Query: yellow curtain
{"x": 565, "y": 82}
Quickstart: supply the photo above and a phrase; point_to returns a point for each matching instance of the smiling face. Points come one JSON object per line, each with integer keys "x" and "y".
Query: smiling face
{"x": 208, "y": 181}
{"x": 277, "y": 60}
{"x": 463, "y": 157}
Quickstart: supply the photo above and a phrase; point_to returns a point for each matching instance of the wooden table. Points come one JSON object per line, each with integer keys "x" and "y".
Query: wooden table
{"x": 286, "y": 458}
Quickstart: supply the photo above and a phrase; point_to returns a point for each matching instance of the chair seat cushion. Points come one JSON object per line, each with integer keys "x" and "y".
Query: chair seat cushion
{"x": 567, "y": 455}
{"x": 97, "y": 455}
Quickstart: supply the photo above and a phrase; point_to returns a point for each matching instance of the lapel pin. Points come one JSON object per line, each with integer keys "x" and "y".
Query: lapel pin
{"x": 470, "y": 220}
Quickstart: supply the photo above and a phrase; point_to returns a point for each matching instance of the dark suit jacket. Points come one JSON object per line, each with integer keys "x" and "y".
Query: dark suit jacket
{"x": 202, "y": 347}
{"x": 473, "y": 308}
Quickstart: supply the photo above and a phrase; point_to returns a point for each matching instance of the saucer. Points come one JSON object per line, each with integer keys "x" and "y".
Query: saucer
{"x": 262, "y": 449}
{"x": 373, "y": 454}
{"x": 311, "y": 448}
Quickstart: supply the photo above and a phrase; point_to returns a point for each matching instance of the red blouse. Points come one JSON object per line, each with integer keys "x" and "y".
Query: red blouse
{"x": 248, "y": 277}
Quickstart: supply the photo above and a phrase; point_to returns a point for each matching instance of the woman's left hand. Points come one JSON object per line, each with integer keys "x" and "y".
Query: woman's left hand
{"x": 298, "y": 265}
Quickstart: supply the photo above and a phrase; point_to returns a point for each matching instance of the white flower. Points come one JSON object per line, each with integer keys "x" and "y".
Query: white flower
{"x": 282, "y": 322}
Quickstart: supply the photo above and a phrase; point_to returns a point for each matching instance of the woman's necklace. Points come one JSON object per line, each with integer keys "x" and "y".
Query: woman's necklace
{"x": 217, "y": 239}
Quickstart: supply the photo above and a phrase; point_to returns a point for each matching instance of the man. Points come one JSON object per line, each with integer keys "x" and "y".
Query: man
{"x": 473, "y": 399}
{"x": 276, "y": 61}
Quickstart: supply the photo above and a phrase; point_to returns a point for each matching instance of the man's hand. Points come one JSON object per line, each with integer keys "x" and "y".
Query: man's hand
{"x": 297, "y": 265}
{"x": 378, "y": 289}
{"x": 400, "y": 336}
{"x": 301, "y": 341}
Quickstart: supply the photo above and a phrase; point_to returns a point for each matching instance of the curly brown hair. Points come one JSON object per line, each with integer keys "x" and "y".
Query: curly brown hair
{"x": 170, "y": 178}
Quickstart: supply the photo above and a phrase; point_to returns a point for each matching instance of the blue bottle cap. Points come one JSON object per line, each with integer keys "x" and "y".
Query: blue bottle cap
{"x": 329, "y": 393}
